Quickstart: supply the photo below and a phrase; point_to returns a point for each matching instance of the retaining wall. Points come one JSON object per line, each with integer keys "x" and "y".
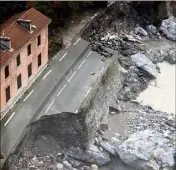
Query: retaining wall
{"x": 95, "y": 107}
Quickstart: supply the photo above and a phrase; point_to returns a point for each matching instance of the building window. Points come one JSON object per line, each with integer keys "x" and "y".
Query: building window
{"x": 29, "y": 49}
{"x": 19, "y": 84}
{"x": 29, "y": 70}
{"x": 18, "y": 60}
{"x": 7, "y": 71}
{"x": 7, "y": 94}
{"x": 39, "y": 60}
{"x": 39, "y": 40}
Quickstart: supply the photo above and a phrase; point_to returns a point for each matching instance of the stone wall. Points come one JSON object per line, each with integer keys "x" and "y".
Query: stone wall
{"x": 95, "y": 108}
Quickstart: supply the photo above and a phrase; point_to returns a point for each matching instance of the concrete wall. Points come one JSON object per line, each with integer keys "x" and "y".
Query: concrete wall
{"x": 23, "y": 69}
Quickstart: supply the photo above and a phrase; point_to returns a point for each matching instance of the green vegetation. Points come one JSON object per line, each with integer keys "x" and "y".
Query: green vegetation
{"x": 58, "y": 11}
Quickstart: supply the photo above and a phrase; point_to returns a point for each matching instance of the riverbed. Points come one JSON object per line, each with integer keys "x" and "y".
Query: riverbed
{"x": 160, "y": 94}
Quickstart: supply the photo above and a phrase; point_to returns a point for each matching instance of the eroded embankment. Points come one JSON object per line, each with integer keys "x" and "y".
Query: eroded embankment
{"x": 57, "y": 133}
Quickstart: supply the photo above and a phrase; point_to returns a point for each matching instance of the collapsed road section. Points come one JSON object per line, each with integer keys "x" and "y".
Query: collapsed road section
{"x": 110, "y": 120}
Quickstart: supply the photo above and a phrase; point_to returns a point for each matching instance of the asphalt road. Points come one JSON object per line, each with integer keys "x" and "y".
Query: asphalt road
{"x": 62, "y": 86}
{"x": 76, "y": 86}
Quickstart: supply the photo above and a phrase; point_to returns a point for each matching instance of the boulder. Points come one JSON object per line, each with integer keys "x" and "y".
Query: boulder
{"x": 171, "y": 57}
{"x": 168, "y": 28}
{"x": 140, "y": 30}
{"x": 94, "y": 167}
{"x": 111, "y": 144}
{"x": 108, "y": 147}
{"x": 98, "y": 158}
{"x": 60, "y": 166}
{"x": 67, "y": 165}
{"x": 147, "y": 150}
{"x": 145, "y": 64}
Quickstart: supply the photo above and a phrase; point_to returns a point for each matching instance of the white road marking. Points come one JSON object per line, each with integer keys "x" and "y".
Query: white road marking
{"x": 61, "y": 90}
{"x": 81, "y": 63}
{"x": 63, "y": 57}
{"x": 28, "y": 95}
{"x": 102, "y": 70}
{"x": 88, "y": 92}
{"x": 47, "y": 74}
{"x": 71, "y": 76}
{"x": 89, "y": 54}
{"x": 50, "y": 106}
{"x": 9, "y": 119}
{"x": 77, "y": 41}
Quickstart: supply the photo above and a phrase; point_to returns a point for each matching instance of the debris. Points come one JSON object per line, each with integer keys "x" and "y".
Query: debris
{"x": 151, "y": 29}
{"x": 140, "y": 30}
{"x": 98, "y": 158}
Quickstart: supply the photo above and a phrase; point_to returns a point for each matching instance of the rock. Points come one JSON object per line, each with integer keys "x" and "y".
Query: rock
{"x": 93, "y": 148}
{"x": 105, "y": 38}
{"x": 144, "y": 64}
{"x": 94, "y": 167}
{"x": 111, "y": 145}
{"x": 104, "y": 123}
{"x": 147, "y": 150}
{"x": 98, "y": 158}
{"x": 108, "y": 50}
{"x": 151, "y": 29}
{"x": 108, "y": 147}
{"x": 115, "y": 108}
{"x": 114, "y": 37}
{"x": 168, "y": 28}
{"x": 130, "y": 38}
{"x": 164, "y": 157}
{"x": 170, "y": 123}
{"x": 60, "y": 166}
{"x": 158, "y": 68}
{"x": 86, "y": 168}
{"x": 36, "y": 162}
{"x": 67, "y": 165}
{"x": 171, "y": 57}
{"x": 103, "y": 59}
{"x": 140, "y": 30}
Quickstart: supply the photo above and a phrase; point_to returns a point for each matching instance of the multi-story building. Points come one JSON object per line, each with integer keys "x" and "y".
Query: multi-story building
{"x": 23, "y": 53}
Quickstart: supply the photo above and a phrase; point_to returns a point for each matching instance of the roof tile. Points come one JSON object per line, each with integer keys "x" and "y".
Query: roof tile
{"x": 19, "y": 36}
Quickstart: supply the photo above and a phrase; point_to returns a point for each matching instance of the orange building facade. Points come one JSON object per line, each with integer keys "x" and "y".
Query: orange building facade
{"x": 23, "y": 53}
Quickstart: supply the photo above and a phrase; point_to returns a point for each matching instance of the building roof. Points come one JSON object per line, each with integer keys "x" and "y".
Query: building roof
{"x": 19, "y": 36}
